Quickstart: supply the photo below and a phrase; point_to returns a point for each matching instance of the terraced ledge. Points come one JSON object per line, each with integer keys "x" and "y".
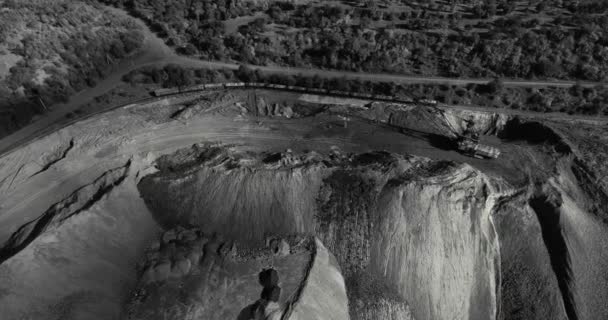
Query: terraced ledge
{"x": 80, "y": 200}
{"x": 61, "y": 154}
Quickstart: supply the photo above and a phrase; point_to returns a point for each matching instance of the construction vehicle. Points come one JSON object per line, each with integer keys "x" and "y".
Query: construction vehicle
{"x": 468, "y": 144}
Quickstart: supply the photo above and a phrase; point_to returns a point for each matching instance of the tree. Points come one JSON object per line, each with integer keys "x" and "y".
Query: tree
{"x": 177, "y": 76}
{"x": 491, "y": 9}
{"x": 496, "y": 86}
{"x": 246, "y": 74}
{"x": 576, "y": 90}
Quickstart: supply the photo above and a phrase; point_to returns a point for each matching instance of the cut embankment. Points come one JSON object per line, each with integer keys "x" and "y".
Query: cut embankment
{"x": 420, "y": 228}
{"x": 553, "y": 256}
{"x": 529, "y": 288}
{"x": 242, "y": 204}
{"x": 436, "y": 242}
{"x": 77, "y": 260}
{"x": 586, "y": 240}
{"x": 241, "y": 195}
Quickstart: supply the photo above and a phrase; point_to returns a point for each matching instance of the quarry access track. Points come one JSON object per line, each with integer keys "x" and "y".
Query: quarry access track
{"x": 36, "y": 131}
{"x": 155, "y": 52}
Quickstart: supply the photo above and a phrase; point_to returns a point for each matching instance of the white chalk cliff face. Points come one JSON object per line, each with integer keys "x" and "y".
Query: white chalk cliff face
{"x": 436, "y": 241}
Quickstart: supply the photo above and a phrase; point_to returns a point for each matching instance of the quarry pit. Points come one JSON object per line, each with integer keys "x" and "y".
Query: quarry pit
{"x": 171, "y": 209}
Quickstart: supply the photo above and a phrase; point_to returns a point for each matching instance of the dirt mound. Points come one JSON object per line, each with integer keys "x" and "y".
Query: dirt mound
{"x": 187, "y": 274}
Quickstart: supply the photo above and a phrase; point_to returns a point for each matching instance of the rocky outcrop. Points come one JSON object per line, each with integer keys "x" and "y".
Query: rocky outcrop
{"x": 442, "y": 121}
{"x": 323, "y": 295}
{"x": 487, "y": 123}
{"x": 276, "y": 109}
{"x": 177, "y": 253}
{"x": 187, "y": 274}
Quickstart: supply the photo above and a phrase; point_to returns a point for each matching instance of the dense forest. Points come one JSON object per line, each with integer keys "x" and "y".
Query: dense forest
{"x": 561, "y": 39}
{"x": 52, "y": 49}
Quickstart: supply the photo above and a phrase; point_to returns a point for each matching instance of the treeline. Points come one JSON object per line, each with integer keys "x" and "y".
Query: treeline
{"x": 63, "y": 47}
{"x": 192, "y": 27}
{"x": 566, "y": 47}
{"x": 574, "y": 100}
{"x": 429, "y": 38}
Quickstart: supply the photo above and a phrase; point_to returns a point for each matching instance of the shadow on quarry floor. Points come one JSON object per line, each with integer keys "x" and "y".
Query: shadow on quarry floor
{"x": 247, "y": 312}
{"x": 435, "y": 140}
{"x": 548, "y": 213}
{"x": 268, "y": 280}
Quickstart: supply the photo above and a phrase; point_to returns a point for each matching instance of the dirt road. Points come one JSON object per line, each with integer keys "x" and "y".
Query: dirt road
{"x": 156, "y": 52}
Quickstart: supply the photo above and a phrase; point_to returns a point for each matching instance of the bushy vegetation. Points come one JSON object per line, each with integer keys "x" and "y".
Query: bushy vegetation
{"x": 563, "y": 39}
{"x": 61, "y": 47}
{"x": 176, "y": 76}
{"x": 574, "y": 100}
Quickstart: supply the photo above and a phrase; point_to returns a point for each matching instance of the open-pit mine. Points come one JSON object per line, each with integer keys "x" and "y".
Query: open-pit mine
{"x": 258, "y": 204}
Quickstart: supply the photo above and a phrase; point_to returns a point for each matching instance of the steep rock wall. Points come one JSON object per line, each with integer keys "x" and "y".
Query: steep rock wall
{"x": 436, "y": 241}
{"x": 488, "y": 123}
{"x": 242, "y": 204}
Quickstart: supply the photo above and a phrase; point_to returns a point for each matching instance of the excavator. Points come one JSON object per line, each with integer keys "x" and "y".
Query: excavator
{"x": 467, "y": 142}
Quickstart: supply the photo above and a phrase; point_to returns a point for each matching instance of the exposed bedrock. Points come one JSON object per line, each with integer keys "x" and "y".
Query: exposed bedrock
{"x": 488, "y": 123}
{"x": 242, "y": 203}
{"x": 422, "y": 228}
{"x": 442, "y": 121}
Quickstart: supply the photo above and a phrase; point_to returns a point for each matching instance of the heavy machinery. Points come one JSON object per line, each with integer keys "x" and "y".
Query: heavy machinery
{"x": 468, "y": 144}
